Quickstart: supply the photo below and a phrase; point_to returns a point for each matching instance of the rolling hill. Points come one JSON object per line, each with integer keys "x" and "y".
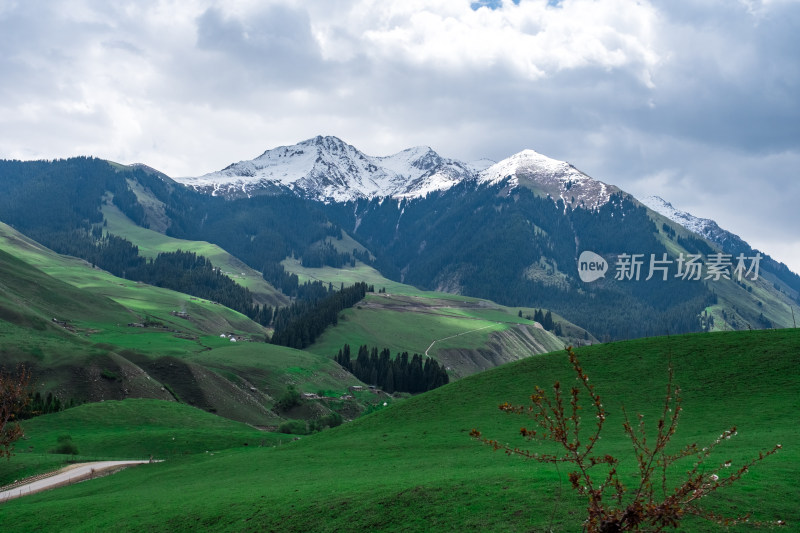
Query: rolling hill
{"x": 413, "y": 464}
{"x": 91, "y": 336}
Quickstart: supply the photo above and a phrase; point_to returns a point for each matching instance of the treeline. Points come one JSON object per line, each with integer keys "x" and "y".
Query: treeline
{"x": 399, "y": 374}
{"x": 180, "y": 271}
{"x": 326, "y": 255}
{"x": 299, "y": 325}
{"x": 546, "y": 320}
{"x": 194, "y": 274}
{"x": 38, "y": 405}
{"x": 289, "y": 284}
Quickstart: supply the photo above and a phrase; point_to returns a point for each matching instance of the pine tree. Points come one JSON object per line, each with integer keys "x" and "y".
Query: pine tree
{"x": 547, "y": 323}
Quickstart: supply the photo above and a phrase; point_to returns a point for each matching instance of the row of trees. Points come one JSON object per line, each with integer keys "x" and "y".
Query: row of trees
{"x": 194, "y": 274}
{"x": 289, "y": 284}
{"x": 43, "y": 405}
{"x": 180, "y": 271}
{"x": 299, "y": 324}
{"x": 400, "y": 374}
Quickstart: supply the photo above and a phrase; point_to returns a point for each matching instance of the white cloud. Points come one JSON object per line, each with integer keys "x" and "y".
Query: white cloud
{"x": 531, "y": 40}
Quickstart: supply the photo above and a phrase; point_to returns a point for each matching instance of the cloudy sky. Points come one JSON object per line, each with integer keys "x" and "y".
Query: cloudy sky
{"x": 697, "y": 101}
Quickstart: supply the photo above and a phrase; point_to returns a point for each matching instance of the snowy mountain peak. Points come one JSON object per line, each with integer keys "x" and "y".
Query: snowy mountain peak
{"x": 550, "y": 176}
{"x": 328, "y": 169}
{"x": 328, "y": 143}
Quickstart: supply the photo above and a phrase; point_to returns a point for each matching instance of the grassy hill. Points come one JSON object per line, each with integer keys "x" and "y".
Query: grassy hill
{"x": 466, "y": 334}
{"x": 72, "y": 324}
{"x": 151, "y": 243}
{"x": 413, "y": 466}
{"x": 91, "y": 352}
{"x": 136, "y": 428}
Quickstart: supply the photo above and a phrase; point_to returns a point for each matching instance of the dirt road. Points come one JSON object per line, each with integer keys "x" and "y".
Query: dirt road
{"x": 67, "y": 476}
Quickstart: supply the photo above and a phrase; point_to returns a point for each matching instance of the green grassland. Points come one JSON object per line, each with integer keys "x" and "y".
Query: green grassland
{"x": 139, "y": 299}
{"x": 413, "y": 467}
{"x": 408, "y": 319}
{"x": 151, "y": 243}
{"x": 181, "y": 356}
{"x": 94, "y": 337}
{"x": 348, "y": 276}
{"x": 363, "y": 273}
{"x": 426, "y": 324}
{"x": 271, "y": 368}
{"x": 129, "y": 429}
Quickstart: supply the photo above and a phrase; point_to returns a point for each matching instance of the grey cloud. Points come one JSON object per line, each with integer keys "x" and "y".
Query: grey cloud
{"x": 733, "y": 79}
{"x": 276, "y": 45}
{"x": 123, "y": 45}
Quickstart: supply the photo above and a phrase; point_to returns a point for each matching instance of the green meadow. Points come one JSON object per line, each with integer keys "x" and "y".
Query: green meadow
{"x": 418, "y": 324}
{"x": 413, "y": 467}
{"x": 74, "y": 324}
{"x": 151, "y": 243}
{"x": 67, "y": 283}
{"x": 135, "y": 428}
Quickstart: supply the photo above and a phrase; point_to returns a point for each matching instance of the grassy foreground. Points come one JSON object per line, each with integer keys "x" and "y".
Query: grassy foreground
{"x": 133, "y": 428}
{"x": 413, "y": 467}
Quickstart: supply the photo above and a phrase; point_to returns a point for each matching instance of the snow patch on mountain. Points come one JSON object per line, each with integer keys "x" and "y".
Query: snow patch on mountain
{"x": 687, "y": 220}
{"x": 705, "y": 227}
{"x": 550, "y": 176}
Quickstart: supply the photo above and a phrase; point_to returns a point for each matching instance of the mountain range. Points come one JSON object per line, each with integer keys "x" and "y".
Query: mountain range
{"x": 327, "y": 169}
{"x": 510, "y": 231}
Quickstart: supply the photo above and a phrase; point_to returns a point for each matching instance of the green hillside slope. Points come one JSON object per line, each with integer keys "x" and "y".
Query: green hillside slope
{"x": 413, "y": 466}
{"x": 151, "y": 243}
{"x": 466, "y": 334}
{"x": 90, "y": 336}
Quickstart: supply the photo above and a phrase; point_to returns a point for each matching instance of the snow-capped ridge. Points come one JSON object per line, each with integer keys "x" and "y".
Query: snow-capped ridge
{"x": 685, "y": 219}
{"x": 550, "y": 176}
{"x": 705, "y": 227}
{"x": 328, "y": 169}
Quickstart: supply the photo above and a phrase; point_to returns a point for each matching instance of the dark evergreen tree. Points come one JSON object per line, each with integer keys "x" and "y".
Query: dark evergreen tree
{"x": 393, "y": 374}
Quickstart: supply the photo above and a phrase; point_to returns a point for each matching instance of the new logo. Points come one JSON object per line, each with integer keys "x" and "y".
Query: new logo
{"x": 591, "y": 267}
